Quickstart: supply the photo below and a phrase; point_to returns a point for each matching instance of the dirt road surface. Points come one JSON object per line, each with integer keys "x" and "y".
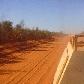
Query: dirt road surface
{"x": 36, "y": 66}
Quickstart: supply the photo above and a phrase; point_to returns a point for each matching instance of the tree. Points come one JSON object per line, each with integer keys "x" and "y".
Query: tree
{"x": 6, "y": 30}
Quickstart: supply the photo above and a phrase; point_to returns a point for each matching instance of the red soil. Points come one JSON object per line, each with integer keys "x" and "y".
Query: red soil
{"x": 21, "y": 65}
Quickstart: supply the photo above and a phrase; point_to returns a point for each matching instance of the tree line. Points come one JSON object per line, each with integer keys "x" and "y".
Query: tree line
{"x": 8, "y": 32}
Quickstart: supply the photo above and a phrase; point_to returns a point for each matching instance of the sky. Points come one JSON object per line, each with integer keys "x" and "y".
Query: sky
{"x": 54, "y": 15}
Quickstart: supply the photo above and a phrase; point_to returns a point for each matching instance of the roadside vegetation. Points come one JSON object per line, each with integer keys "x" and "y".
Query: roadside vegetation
{"x": 18, "y": 33}
{"x": 8, "y": 33}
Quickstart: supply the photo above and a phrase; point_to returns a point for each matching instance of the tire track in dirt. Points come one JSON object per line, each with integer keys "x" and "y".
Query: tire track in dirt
{"x": 21, "y": 71}
{"x": 38, "y": 62}
{"x": 41, "y": 66}
{"x": 19, "y": 79}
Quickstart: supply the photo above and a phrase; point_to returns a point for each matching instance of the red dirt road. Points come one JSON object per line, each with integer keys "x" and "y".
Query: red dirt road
{"x": 36, "y": 66}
